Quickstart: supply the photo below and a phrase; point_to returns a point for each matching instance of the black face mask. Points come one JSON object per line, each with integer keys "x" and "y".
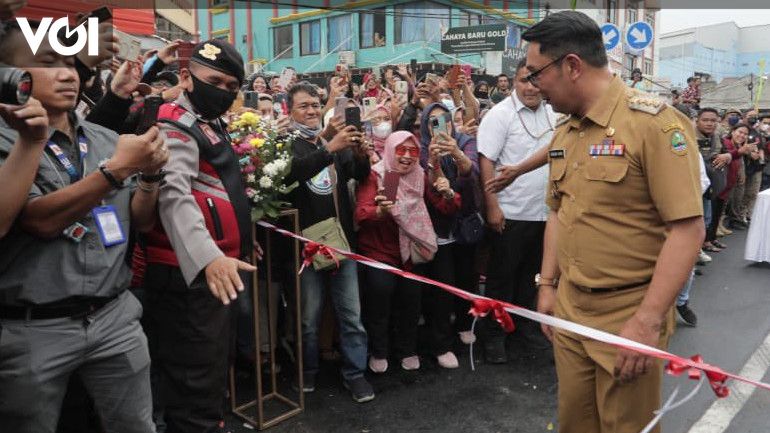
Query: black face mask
{"x": 751, "y": 121}
{"x": 481, "y": 95}
{"x": 210, "y": 101}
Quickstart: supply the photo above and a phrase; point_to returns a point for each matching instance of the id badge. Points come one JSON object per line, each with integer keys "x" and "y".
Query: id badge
{"x": 108, "y": 225}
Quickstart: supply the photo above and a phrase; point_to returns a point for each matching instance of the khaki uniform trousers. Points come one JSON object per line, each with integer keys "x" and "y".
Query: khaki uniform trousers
{"x": 590, "y": 399}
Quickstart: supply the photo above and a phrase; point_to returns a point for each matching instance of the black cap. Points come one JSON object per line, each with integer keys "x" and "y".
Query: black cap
{"x": 168, "y": 77}
{"x": 220, "y": 55}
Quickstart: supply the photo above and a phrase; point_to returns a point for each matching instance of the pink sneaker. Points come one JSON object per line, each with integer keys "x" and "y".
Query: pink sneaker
{"x": 411, "y": 363}
{"x": 467, "y": 337}
{"x": 378, "y": 365}
{"x": 448, "y": 360}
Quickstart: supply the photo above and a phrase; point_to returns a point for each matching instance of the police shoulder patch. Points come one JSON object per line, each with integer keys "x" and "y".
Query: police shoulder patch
{"x": 678, "y": 143}
{"x": 642, "y": 101}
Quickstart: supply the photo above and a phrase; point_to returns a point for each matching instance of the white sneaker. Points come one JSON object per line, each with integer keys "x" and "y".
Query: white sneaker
{"x": 378, "y": 365}
{"x": 411, "y": 363}
{"x": 467, "y": 337}
{"x": 448, "y": 360}
{"x": 703, "y": 257}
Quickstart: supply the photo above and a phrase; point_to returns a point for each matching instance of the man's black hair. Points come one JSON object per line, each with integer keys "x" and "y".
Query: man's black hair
{"x": 521, "y": 64}
{"x": 707, "y": 110}
{"x": 569, "y": 32}
{"x": 690, "y": 80}
{"x": 501, "y": 75}
{"x": 9, "y": 27}
{"x": 302, "y": 86}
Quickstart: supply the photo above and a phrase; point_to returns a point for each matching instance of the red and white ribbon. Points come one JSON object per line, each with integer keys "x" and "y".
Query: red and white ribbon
{"x": 483, "y": 306}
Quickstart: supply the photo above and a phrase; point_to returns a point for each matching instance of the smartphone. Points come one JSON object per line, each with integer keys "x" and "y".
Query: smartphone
{"x": 339, "y": 106}
{"x": 439, "y": 124}
{"x": 369, "y": 105}
{"x": 377, "y": 72}
{"x": 402, "y": 87}
{"x": 353, "y": 117}
{"x": 390, "y": 185}
{"x": 183, "y": 53}
{"x": 129, "y": 47}
{"x": 150, "y": 115}
{"x": 430, "y": 77}
{"x": 251, "y": 99}
{"x": 453, "y": 75}
{"x": 467, "y": 71}
{"x": 286, "y": 76}
{"x": 368, "y": 132}
{"x": 280, "y": 105}
{"x": 413, "y": 67}
{"x": 704, "y": 143}
{"x": 102, "y": 14}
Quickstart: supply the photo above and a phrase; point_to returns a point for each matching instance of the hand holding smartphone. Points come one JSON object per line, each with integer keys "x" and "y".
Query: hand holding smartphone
{"x": 150, "y": 115}
{"x": 183, "y": 53}
{"x": 353, "y": 117}
{"x": 390, "y": 185}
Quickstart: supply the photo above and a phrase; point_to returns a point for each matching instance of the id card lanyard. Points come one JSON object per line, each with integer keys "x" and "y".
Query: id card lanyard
{"x": 72, "y": 170}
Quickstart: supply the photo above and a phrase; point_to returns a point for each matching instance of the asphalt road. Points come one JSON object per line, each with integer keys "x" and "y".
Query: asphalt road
{"x": 731, "y": 298}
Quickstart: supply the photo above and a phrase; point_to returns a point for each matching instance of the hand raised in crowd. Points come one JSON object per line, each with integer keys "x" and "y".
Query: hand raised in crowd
{"x": 443, "y": 187}
{"x": 108, "y": 46}
{"x": 721, "y": 160}
{"x": 470, "y": 128}
{"x": 9, "y": 7}
{"x": 506, "y": 175}
{"x": 384, "y": 206}
{"x": 282, "y": 124}
{"x": 335, "y": 125}
{"x": 444, "y": 144}
{"x": 167, "y": 54}
{"x": 126, "y": 79}
{"x": 223, "y": 279}
{"x": 30, "y": 120}
{"x": 172, "y": 93}
{"x": 148, "y": 54}
{"x": 337, "y": 89}
{"x": 134, "y": 153}
{"x": 349, "y": 136}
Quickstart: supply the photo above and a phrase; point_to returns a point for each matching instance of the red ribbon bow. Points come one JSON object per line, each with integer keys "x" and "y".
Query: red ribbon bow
{"x": 482, "y": 307}
{"x": 716, "y": 379}
{"x": 313, "y": 248}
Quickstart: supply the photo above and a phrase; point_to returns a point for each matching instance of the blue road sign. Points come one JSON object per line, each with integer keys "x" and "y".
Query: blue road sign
{"x": 611, "y": 35}
{"x": 639, "y": 35}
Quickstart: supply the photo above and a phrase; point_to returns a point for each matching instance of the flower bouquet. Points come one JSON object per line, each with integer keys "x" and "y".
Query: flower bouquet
{"x": 265, "y": 161}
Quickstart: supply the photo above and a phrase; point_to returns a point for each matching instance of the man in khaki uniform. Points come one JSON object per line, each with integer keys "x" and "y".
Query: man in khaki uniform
{"x": 624, "y": 229}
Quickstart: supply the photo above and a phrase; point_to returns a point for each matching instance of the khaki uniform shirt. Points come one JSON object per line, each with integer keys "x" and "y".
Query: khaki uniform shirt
{"x": 613, "y": 206}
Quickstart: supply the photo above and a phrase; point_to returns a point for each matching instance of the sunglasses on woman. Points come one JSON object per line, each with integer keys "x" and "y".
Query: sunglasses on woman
{"x": 402, "y": 150}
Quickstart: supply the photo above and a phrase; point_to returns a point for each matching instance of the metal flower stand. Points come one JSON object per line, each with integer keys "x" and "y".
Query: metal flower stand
{"x": 274, "y": 398}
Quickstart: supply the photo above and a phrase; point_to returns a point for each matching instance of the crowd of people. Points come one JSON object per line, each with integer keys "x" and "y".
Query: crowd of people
{"x": 449, "y": 181}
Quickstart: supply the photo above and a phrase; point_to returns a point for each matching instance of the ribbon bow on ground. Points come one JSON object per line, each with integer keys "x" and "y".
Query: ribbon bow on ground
{"x": 313, "y": 248}
{"x": 482, "y": 307}
{"x": 716, "y": 380}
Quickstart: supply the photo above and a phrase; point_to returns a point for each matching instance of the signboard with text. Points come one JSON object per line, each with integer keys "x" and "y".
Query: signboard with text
{"x": 474, "y": 39}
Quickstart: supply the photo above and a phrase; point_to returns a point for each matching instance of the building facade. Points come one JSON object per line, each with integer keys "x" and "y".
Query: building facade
{"x": 362, "y": 33}
{"x": 715, "y": 52}
{"x": 623, "y": 13}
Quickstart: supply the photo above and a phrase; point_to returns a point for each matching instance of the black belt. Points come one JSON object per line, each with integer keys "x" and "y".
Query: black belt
{"x": 611, "y": 289}
{"x": 42, "y": 312}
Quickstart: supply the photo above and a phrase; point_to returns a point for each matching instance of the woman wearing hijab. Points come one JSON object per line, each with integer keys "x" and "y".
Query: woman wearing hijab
{"x": 399, "y": 233}
{"x": 382, "y": 127}
{"x": 373, "y": 89}
{"x": 456, "y": 160}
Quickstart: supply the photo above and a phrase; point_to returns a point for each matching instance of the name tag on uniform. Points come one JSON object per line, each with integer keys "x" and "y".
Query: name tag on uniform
{"x": 210, "y": 134}
{"x": 108, "y": 225}
{"x": 559, "y": 153}
{"x": 607, "y": 148}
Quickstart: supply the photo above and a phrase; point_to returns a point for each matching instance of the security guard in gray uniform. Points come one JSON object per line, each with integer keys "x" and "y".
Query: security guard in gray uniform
{"x": 64, "y": 307}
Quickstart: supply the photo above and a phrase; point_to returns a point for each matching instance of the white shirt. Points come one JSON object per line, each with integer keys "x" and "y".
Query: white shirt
{"x": 504, "y": 140}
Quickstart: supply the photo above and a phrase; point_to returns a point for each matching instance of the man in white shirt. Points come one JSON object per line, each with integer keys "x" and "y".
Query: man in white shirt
{"x": 514, "y": 130}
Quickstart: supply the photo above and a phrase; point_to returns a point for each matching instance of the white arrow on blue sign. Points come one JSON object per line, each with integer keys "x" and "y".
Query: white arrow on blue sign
{"x": 611, "y": 35}
{"x": 639, "y": 35}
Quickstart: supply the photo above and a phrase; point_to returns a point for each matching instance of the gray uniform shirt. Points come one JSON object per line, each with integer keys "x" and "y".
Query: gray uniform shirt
{"x": 39, "y": 271}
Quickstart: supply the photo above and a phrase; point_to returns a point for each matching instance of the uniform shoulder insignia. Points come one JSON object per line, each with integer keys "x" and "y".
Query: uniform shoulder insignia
{"x": 562, "y": 119}
{"x": 644, "y": 102}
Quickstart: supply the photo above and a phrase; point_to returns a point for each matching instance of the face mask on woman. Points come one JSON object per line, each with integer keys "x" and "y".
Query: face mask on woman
{"x": 382, "y": 130}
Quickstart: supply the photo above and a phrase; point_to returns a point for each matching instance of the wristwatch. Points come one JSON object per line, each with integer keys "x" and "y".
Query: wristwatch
{"x": 153, "y": 178}
{"x": 110, "y": 177}
{"x": 540, "y": 281}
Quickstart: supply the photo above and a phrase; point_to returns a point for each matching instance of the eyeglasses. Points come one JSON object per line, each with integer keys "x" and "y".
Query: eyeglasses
{"x": 402, "y": 150}
{"x": 533, "y": 77}
{"x": 305, "y": 107}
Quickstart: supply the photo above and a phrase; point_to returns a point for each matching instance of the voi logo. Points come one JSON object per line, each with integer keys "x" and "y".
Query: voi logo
{"x": 87, "y": 33}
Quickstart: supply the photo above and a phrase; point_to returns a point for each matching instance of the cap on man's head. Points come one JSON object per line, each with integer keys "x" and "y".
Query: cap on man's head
{"x": 733, "y": 110}
{"x": 221, "y": 56}
{"x": 167, "y": 76}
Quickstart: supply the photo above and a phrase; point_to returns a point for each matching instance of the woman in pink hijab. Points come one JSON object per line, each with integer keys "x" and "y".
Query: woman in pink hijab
{"x": 399, "y": 233}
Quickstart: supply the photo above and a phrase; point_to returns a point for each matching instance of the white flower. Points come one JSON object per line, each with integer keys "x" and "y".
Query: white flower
{"x": 270, "y": 169}
{"x": 280, "y": 164}
{"x": 265, "y": 182}
{"x": 251, "y": 178}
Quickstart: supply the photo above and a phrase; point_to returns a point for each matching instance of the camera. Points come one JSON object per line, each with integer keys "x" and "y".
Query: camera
{"x": 15, "y": 85}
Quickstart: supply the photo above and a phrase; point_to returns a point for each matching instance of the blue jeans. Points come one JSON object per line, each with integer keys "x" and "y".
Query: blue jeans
{"x": 343, "y": 284}
{"x": 707, "y": 211}
{"x": 684, "y": 294}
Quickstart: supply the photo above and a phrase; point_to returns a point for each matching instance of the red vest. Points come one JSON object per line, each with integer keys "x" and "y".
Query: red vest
{"x": 218, "y": 190}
